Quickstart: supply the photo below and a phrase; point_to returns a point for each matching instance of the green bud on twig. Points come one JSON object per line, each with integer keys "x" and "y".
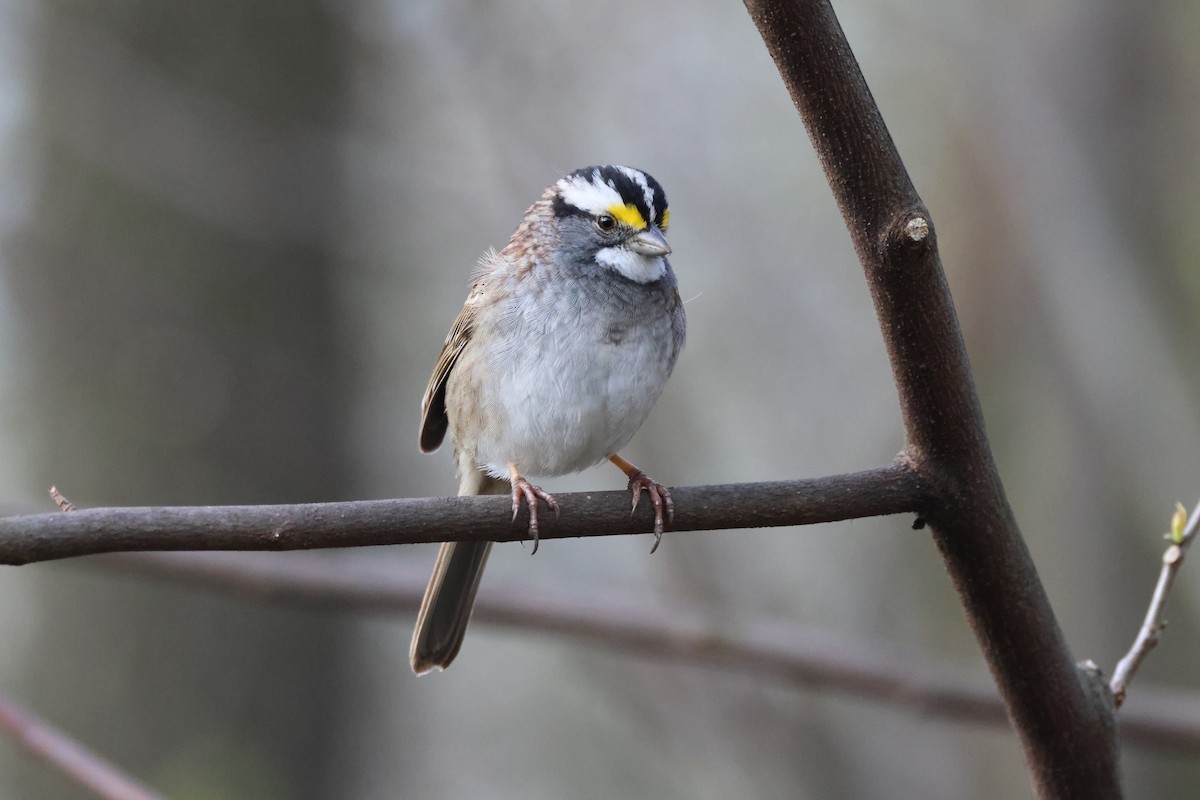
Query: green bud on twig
{"x": 1178, "y": 523}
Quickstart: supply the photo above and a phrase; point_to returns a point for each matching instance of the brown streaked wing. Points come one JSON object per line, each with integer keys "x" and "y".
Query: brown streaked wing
{"x": 433, "y": 405}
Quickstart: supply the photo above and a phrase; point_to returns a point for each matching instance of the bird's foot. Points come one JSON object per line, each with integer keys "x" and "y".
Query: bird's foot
{"x": 659, "y": 496}
{"x": 523, "y": 488}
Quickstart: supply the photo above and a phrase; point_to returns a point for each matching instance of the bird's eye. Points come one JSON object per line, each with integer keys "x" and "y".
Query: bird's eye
{"x": 606, "y": 222}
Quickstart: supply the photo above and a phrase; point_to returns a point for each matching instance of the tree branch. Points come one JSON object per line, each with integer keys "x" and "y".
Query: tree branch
{"x": 786, "y": 653}
{"x": 1183, "y": 531}
{"x": 71, "y": 758}
{"x": 892, "y": 489}
{"x": 1054, "y": 707}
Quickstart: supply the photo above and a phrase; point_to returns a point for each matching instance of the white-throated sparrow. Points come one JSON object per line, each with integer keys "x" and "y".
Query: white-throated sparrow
{"x": 564, "y": 345}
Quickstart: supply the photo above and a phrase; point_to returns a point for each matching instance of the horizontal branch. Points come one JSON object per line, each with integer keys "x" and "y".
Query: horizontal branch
{"x": 891, "y": 489}
{"x": 70, "y": 757}
{"x": 1162, "y": 718}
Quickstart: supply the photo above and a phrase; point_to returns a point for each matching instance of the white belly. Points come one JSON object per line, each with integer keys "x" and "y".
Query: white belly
{"x": 561, "y": 377}
{"x": 561, "y": 412}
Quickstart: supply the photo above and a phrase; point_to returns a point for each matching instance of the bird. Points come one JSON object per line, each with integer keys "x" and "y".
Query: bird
{"x": 564, "y": 345}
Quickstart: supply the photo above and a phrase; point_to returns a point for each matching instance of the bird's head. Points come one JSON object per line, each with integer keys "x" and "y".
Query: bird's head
{"x": 615, "y": 216}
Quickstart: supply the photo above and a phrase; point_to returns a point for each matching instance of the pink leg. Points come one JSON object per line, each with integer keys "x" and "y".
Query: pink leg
{"x": 523, "y": 488}
{"x": 659, "y": 495}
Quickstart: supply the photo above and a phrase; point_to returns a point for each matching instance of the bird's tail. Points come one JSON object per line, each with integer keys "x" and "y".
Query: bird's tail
{"x": 446, "y": 608}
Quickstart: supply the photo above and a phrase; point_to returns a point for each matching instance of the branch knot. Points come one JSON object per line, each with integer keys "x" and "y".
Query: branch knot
{"x": 910, "y": 232}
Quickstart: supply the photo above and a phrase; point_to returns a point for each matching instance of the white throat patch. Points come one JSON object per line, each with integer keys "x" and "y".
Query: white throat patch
{"x": 634, "y": 266}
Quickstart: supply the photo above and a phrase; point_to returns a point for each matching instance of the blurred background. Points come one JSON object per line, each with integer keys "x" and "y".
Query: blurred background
{"x": 234, "y": 234}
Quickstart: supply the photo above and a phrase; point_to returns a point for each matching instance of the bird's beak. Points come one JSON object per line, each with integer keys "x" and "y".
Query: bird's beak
{"x": 649, "y": 242}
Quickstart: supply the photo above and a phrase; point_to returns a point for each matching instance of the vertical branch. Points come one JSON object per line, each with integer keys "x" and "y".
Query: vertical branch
{"x": 1066, "y": 726}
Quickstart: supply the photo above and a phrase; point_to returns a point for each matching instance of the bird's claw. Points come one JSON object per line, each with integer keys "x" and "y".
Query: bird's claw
{"x": 523, "y": 488}
{"x": 659, "y": 496}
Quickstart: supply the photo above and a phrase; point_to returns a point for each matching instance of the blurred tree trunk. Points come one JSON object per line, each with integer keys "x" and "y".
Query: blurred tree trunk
{"x": 174, "y": 282}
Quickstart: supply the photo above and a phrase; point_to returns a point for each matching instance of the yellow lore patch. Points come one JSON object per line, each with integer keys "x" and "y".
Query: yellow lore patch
{"x": 666, "y": 218}
{"x": 629, "y": 215}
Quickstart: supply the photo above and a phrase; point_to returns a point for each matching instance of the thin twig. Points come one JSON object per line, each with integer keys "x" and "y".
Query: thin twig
{"x": 62, "y": 502}
{"x": 892, "y": 489}
{"x": 69, "y": 756}
{"x": 1161, "y": 718}
{"x": 1153, "y": 624}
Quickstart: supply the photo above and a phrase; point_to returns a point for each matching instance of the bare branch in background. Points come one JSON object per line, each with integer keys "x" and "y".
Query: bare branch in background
{"x": 892, "y": 489}
{"x": 68, "y": 756}
{"x": 1183, "y": 531}
{"x": 1055, "y": 707}
{"x": 786, "y": 653}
